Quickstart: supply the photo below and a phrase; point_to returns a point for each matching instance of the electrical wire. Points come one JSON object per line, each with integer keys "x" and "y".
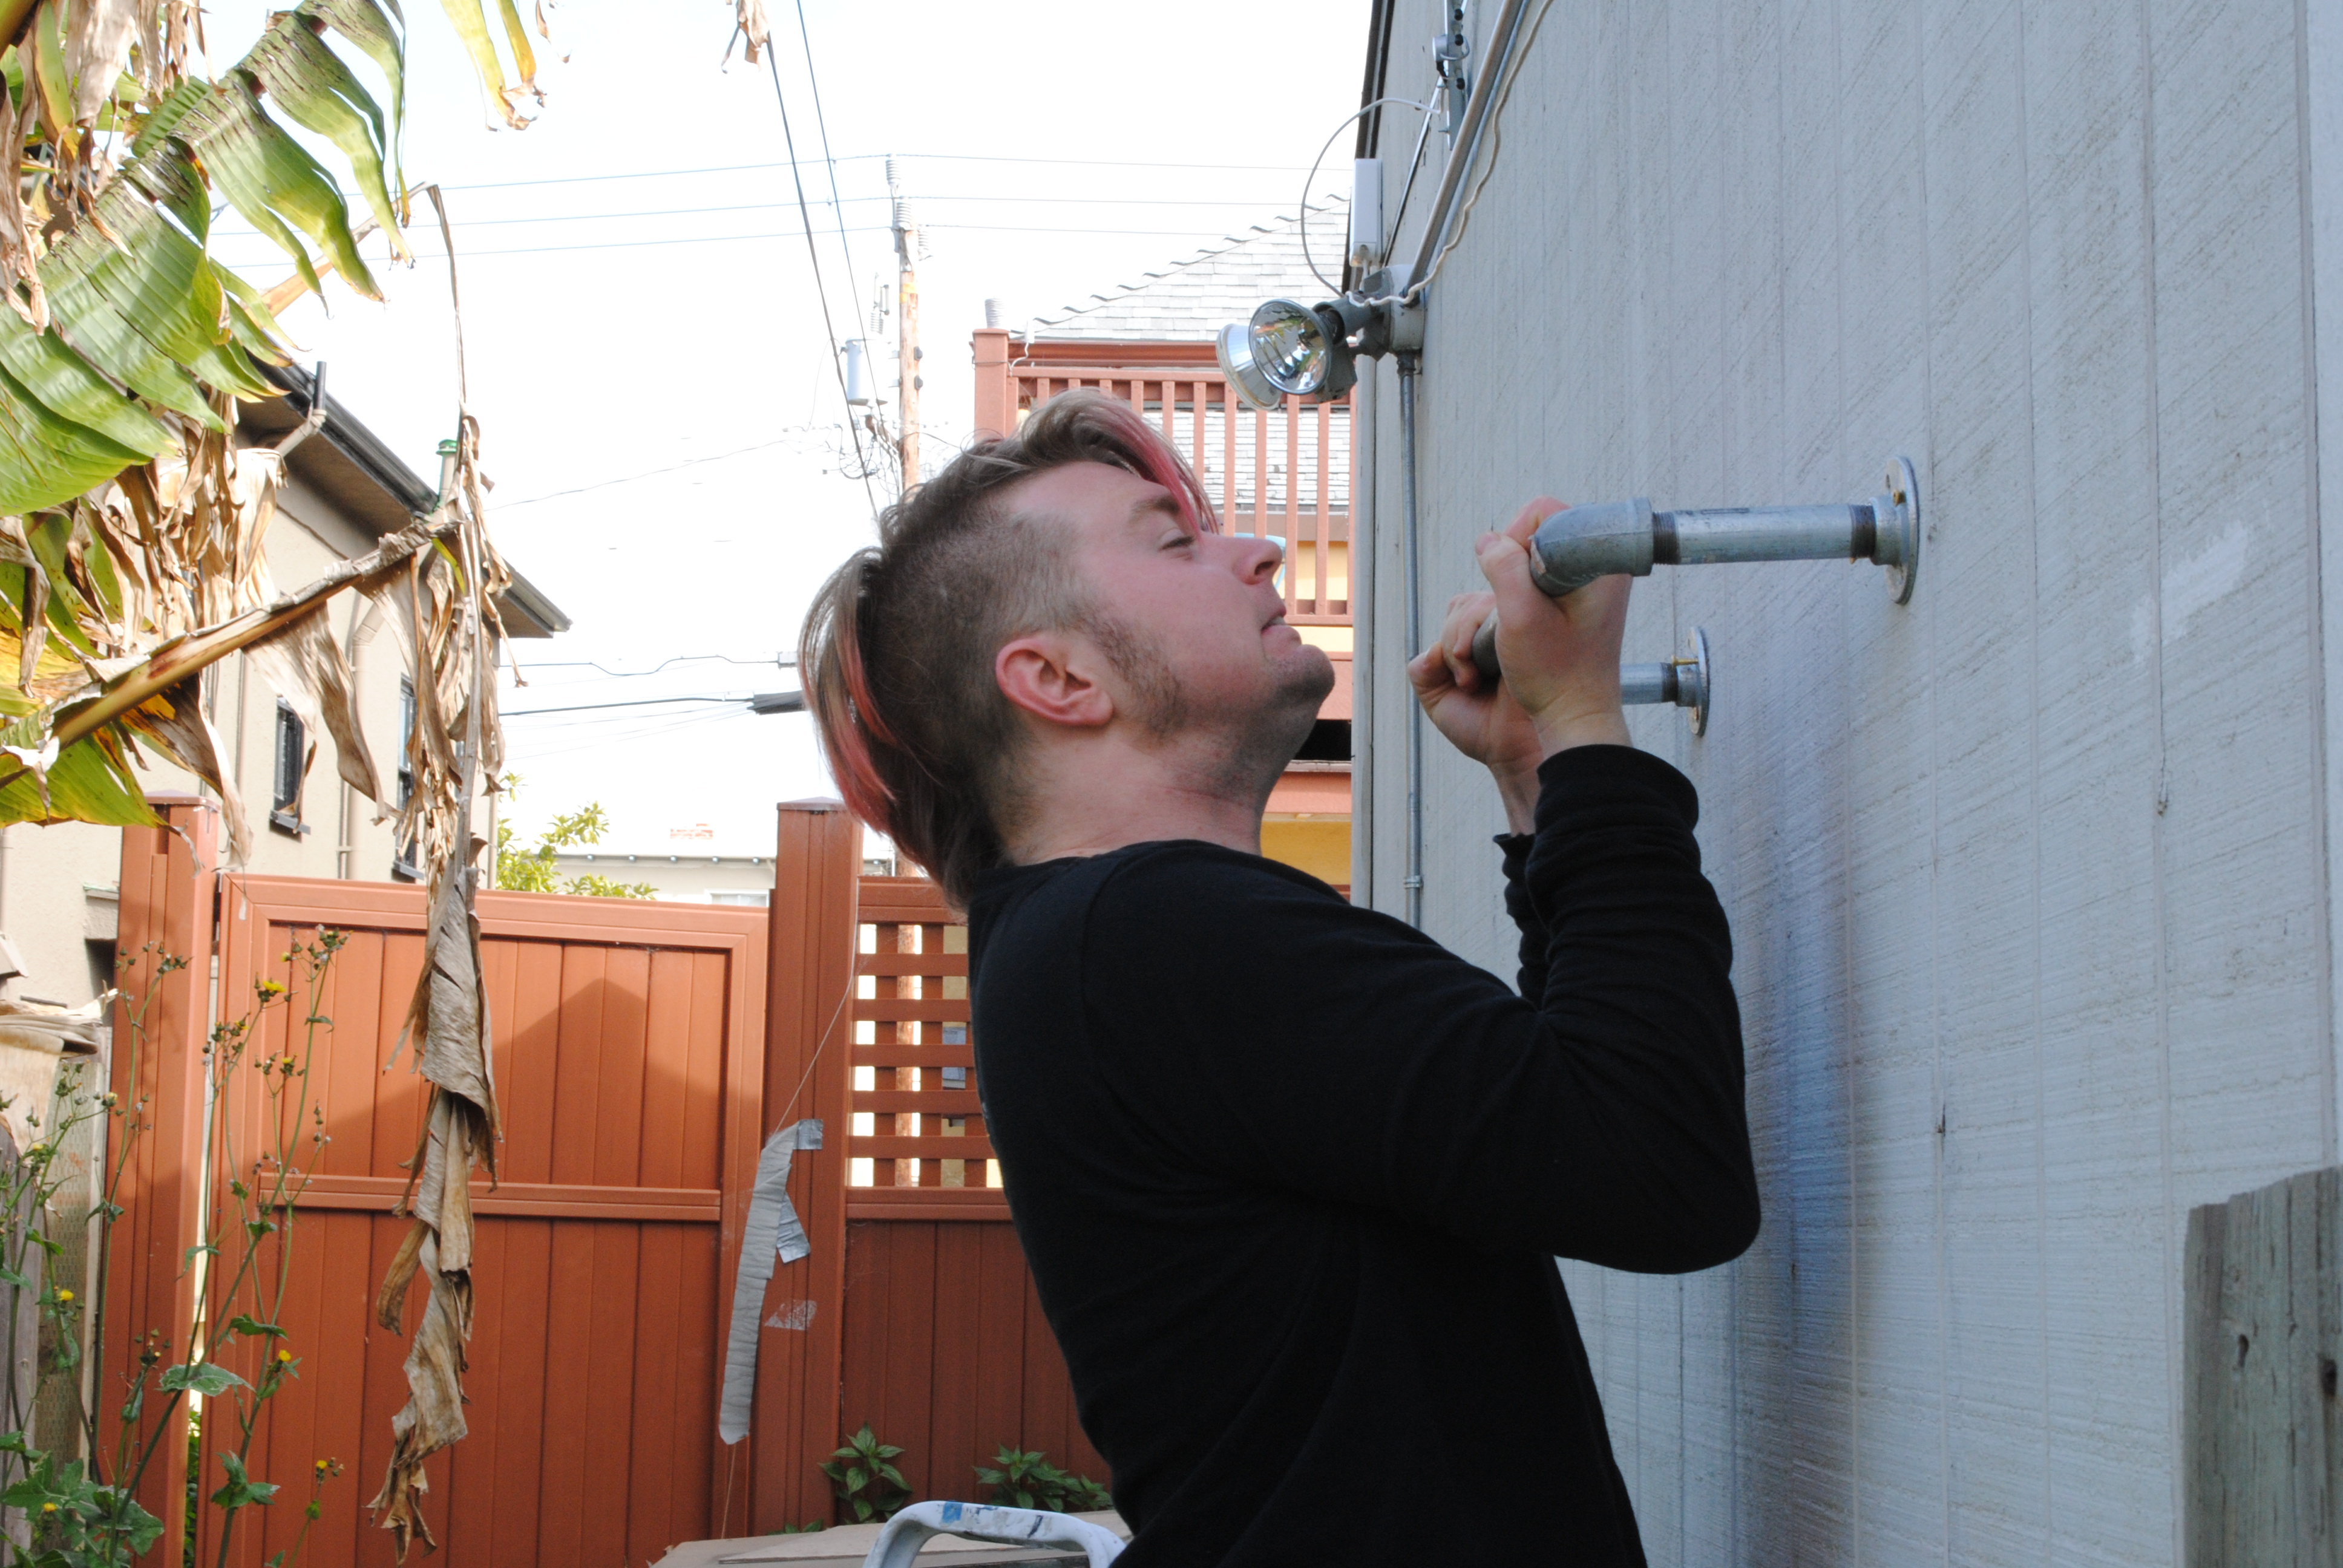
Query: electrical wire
{"x": 646, "y": 474}
{"x": 837, "y": 207}
{"x": 1205, "y": 234}
{"x": 1414, "y": 165}
{"x": 822, "y": 291}
{"x": 873, "y": 157}
{"x": 596, "y": 706}
{"x": 230, "y": 231}
{"x": 1312, "y": 179}
{"x": 1516, "y": 52}
{"x": 679, "y": 658}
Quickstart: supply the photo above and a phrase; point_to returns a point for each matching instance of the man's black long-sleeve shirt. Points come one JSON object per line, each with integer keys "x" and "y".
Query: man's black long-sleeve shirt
{"x": 1291, "y": 1176}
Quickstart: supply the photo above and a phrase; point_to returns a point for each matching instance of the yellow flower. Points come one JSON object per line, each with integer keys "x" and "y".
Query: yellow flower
{"x": 64, "y": 1296}
{"x": 270, "y": 988}
{"x": 48, "y": 1508}
{"x": 284, "y": 1356}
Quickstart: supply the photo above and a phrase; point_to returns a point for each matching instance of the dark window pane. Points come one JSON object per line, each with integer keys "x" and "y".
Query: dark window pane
{"x": 291, "y": 745}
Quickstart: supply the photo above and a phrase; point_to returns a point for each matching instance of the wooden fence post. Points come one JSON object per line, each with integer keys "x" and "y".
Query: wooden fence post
{"x": 808, "y": 1033}
{"x": 169, "y": 877}
{"x": 2262, "y": 1331}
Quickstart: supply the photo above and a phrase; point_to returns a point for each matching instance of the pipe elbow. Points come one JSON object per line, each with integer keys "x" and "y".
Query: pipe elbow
{"x": 1573, "y": 547}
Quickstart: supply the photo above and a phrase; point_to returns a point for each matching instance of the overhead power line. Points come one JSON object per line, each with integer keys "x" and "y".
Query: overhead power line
{"x": 535, "y": 665}
{"x": 822, "y": 291}
{"x": 238, "y": 231}
{"x": 756, "y": 702}
{"x": 874, "y": 158}
{"x": 646, "y": 474}
{"x": 1205, "y": 234}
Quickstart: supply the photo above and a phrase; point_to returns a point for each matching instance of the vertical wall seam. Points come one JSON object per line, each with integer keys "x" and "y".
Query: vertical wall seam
{"x": 2315, "y": 579}
{"x": 2158, "y": 892}
{"x": 1936, "y": 824}
{"x": 1847, "y": 845}
{"x": 2034, "y": 788}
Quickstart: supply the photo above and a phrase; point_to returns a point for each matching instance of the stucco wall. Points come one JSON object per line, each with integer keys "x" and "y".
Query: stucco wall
{"x": 48, "y": 875}
{"x": 2028, "y": 879}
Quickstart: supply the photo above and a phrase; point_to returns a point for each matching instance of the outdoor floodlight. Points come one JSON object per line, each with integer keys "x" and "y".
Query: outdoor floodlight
{"x": 1290, "y": 349}
{"x": 1300, "y": 351}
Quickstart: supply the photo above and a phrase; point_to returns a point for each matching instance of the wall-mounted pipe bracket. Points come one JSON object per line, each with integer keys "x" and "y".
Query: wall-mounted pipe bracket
{"x": 1684, "y": 681}
{"x": 1572, "y": 547}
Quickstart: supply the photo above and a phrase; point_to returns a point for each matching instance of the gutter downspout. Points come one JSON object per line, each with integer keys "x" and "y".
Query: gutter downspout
{"x": 1408, "y": 364}
{"x": 362, "y": 632}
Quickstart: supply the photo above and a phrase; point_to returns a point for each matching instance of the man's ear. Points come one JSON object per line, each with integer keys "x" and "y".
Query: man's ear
{"x": 1049, "y": 675}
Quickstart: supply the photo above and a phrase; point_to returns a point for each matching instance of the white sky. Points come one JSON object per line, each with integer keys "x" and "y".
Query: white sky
{"x": 602, "y": 346}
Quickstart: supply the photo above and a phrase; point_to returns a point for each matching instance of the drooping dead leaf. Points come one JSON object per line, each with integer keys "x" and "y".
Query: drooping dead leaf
{"x": 449, "y": 1016}
{"x": 447, "y": 597}
{"x": 175, "y": 720}
{"x": 309, "y": 671}
{"x": 98, "y": 36}
{"x": 751, "y": 28}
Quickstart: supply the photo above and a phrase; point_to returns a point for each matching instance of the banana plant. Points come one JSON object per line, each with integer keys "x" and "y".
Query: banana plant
{"x": 133, "y": 525}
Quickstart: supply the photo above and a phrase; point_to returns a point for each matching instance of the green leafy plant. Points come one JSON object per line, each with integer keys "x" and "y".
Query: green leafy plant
{"x": 532, "y": 870}
{"x": 864, "y": 1476}
{"x": 1020, "y": 1479}
{"x": 77, "y": 1518}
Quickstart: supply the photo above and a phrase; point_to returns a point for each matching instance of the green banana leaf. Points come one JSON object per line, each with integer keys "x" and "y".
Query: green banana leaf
{"x": 89, "y": 781}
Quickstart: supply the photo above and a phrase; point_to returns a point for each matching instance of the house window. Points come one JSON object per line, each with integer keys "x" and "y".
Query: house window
{"x": 758, "y": 900}
{"x": 292, "y": 754}
{"x": 402, "y": 859}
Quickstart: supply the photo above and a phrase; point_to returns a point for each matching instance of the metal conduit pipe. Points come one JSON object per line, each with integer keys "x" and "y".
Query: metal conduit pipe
{"x": 1572, "y": 547}
{"x": 1414, "y": 875}
{"x": 1467, "y": 145}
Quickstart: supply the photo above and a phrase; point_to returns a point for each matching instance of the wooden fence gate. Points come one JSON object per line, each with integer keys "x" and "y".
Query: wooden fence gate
{"x": 642, "y": 1052}
{"x": 628, "y": 1054}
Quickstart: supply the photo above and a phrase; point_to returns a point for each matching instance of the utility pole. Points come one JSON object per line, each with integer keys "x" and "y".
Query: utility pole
{"x": 907, "y": 296}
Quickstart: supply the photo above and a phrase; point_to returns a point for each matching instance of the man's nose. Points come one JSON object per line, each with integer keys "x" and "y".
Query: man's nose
{"x": 1258, "y": 556}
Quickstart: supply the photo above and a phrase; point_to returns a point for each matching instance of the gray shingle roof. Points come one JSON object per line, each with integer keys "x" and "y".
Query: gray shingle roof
{"x": 1190, "y": 300}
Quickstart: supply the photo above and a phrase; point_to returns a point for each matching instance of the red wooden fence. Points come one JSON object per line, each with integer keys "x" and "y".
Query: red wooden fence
{"x": 947, "y": 1352}
{"x": 628, "y": 1060}
{"x": 640, "y": 1058}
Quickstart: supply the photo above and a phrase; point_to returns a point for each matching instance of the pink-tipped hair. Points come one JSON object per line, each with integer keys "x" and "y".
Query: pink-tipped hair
{"x": 896, "y": 653}
{"x": 1158, "y": 461}
{"x": 838, "y": 691}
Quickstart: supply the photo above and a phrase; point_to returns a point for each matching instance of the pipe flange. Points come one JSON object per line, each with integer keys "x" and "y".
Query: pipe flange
{"x": 1694, "y": 679}
{"x": 1898, "y": 528}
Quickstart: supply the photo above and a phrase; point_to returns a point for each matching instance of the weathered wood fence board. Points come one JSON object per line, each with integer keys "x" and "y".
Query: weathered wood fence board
{"x": 2264, "y": 1333}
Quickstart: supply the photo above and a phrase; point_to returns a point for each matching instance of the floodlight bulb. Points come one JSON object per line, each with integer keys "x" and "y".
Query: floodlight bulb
{"x": 1289, "y": 343}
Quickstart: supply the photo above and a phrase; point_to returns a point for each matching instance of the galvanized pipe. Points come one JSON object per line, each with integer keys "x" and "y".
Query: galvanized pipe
{"x": 1649, "y": 685}
{"x": 1408, "y": 365}
{"x": 1572, "y": 547}
{"x": 1686, "y": 682}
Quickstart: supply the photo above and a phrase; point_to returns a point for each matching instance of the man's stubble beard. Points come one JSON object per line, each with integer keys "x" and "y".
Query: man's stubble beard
{"x": 1260, "y": 739}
